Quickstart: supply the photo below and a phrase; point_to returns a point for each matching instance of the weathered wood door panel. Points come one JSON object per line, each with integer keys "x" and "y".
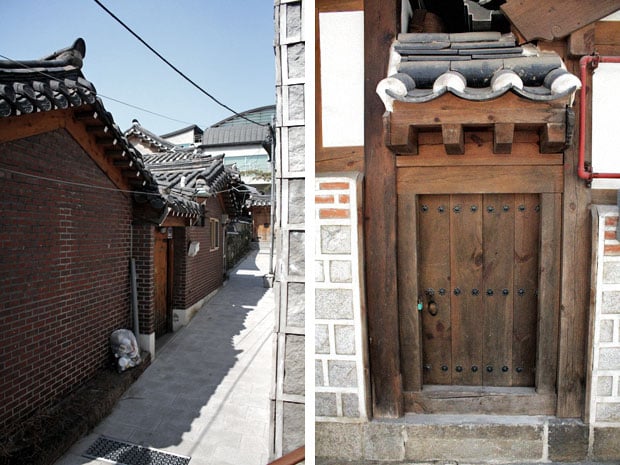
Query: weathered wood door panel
{"x": 478, "y": 273}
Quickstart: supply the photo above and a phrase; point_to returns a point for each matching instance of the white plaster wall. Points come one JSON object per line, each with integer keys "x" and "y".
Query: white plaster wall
{"x": 605, "y": 126}
{"x": 342, "y": 78}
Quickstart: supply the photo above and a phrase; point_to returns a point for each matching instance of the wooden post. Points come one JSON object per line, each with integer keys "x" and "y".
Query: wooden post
{"x": 380, "y": 28}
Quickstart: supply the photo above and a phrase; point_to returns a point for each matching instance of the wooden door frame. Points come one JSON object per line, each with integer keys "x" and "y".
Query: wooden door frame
{"x": 540, "y": 400}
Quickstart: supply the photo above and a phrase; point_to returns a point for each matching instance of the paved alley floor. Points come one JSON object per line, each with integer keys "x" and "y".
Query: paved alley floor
{"x": 206, "y": 394}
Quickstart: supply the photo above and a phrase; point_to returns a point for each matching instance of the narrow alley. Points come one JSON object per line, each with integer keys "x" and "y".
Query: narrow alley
{"x": 206, "y": 395}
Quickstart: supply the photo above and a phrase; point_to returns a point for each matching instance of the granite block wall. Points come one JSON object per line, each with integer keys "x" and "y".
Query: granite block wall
{"x": 288, "y": 396}
{"x": 341, "y": 383}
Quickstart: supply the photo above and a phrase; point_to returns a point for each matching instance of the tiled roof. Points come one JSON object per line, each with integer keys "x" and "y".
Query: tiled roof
{"x": 148, "y": 137}
{"x": 473, "y": 66}
{"x": 56, "y": 82}
{"x": 184, "y": 175}
{"x": 237, "y": 134}
{"x": 193, "y": 128}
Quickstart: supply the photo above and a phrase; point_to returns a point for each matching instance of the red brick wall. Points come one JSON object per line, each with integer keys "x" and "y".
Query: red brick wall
{"x": 196, "y": 277}
{"x": 64, "y": 271}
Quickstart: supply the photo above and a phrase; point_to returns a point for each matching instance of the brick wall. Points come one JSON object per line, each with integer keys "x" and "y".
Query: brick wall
{"x": 341, "y": 385}
{"x": 64, "y": 271}
{"x": 198, "y": 276}
{"x": 143, "y": 252}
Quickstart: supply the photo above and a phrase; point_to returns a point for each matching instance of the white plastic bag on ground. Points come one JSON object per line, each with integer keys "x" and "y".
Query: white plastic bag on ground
{"x": 125, "y": 349}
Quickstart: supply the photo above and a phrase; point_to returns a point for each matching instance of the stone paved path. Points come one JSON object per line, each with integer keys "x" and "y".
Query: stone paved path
{"x": 206, "y": 395}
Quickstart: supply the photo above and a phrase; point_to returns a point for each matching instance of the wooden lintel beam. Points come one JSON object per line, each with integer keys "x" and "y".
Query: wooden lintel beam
{"x": 453, "y": 138}
{"x": 552, "y": 138}
{"x": 503, "y": 136}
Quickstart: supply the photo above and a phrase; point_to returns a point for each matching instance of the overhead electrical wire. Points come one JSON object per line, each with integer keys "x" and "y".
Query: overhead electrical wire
{"x": 177, "y": 70}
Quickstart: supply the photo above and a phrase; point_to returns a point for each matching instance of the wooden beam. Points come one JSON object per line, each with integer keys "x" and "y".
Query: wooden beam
{"x": 450, "y": 109}
{"x": 339, "y": 159}
{"x": 97, "y": 153}
{"x": 453, "y": 138}
{"x": 550, "y": 19}
{"x": 549, "y": 292}
{"x": 575, "y": 284}
{"x": 482, "y": 401}
{"x": 581, "y": 42}
{"x": 503, "y": 136}
{"x": 381, "y": 21}
{"x": 403, "y": 139}
{"x": 552, "y": 137}
{"x": 480, "y": 179}
{"x": 18, "y": 127}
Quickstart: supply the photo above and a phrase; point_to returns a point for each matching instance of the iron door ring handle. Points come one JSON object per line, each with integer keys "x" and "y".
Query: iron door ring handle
{"x": 432, "y": 308}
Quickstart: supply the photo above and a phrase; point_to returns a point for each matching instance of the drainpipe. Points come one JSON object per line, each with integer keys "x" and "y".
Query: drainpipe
{"x": 273, "y": 197}
{"x": 582, "y": 171}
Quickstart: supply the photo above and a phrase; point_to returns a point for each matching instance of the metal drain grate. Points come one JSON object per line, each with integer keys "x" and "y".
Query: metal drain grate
{"x": 124, "y": 453}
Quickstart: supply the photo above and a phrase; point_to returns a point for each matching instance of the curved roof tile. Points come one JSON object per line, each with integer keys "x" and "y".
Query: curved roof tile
{"x": 474, "y": 66}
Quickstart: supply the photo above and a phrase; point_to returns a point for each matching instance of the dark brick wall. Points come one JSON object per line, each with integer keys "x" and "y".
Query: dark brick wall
{"x": 143, "y": 246}
{"x": 196, "y": 277}
{"x": 64, "y": 271}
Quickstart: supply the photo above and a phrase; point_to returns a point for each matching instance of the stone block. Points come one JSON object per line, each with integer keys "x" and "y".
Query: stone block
{"x": 296, "y": 201}
{"x": 296, "y": 102}
{"x": 604, "y": 386}
{"x": 611, "y": 302}
{"x": 342, "y": 373}
{"x": 474, "y": 442}
{"x": 296, "y": 254}
{"x": 609, "y": 358}
{"x": 319, "y": 379}
{"x": 296, "y": 61}
{"x": 340, "y": 271}
{"x": 611, "y": 272}
{"x": 333, "y": 303}
{"x": 335, "y": 239}
{"x": 294, "y": 380}
{"x": 293, "y": 426}
{"x": 321, "y": 339}
{"x": 319, "y": 271}
{"x": 296, "y": 148}
{"x": 350, "y": 405}
{"x": 607, "y": 331}
{"x": 384, "y": 442}
{"x": 568, "y": 440}
{"x": 325, "y": 404}
{"x": 295, "y": 308}
{"x": 608, "y": 411}
{"x": 345, "y": 339}
{"x": 606, "y": 444}
{"x": 340, "y": 440}
{"x": 293, "y": 19}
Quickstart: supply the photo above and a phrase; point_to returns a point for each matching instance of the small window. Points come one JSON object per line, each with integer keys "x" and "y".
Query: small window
{"x": 215, "y": 233}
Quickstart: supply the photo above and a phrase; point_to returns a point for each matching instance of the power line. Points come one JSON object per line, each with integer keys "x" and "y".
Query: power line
{"x": 177, "y": 70}
{"x": 42, "y": 73}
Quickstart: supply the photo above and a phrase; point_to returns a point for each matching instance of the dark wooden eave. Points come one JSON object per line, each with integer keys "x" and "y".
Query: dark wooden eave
{"x": 553, "y": 19}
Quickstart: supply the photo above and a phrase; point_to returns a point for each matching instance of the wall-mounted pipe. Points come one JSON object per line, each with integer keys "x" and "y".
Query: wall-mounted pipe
{"x": 584, "y": 172}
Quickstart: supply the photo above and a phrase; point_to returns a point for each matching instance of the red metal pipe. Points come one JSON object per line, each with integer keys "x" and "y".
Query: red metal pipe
{"x": 582, "y": 171}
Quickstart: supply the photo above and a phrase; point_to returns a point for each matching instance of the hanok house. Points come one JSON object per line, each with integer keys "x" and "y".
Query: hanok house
{"x": 77, "y": 204}
{"x": 463, "y": 289}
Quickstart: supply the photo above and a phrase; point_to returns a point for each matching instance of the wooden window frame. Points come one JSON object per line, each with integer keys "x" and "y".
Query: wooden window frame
{"x": 214, "y": 224}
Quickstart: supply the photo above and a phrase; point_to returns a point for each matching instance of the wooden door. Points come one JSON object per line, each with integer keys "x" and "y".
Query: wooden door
{"x": 478, "y": 274}
{"x": 161, "y": 281}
